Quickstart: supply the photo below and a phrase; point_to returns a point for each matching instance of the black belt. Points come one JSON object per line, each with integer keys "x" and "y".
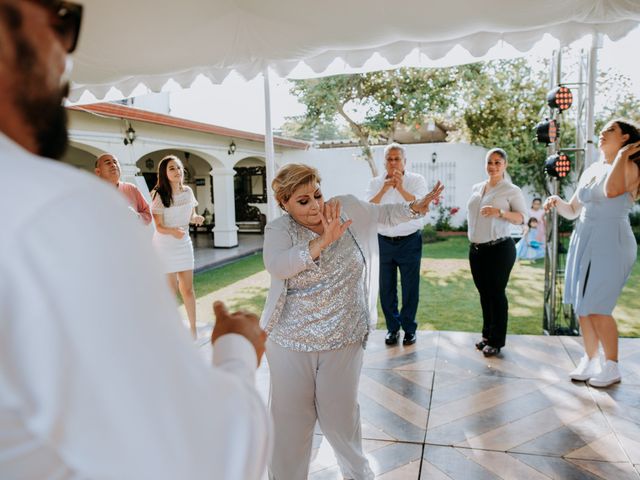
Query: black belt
{"x": 497, "y": 241}
{"x": 398, "y": 239}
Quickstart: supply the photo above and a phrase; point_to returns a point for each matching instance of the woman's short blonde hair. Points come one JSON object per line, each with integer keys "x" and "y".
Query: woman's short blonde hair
{"x": 289, "y": 178}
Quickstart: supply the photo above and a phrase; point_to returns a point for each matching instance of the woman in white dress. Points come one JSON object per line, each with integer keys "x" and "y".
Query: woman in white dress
{"x": 173, "y": 208}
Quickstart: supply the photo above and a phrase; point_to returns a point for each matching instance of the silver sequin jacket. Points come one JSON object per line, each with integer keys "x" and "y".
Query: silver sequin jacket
{"x": 283, "y": 259}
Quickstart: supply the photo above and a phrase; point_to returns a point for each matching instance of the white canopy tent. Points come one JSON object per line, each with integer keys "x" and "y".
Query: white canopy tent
{"x": 125, "y": 43}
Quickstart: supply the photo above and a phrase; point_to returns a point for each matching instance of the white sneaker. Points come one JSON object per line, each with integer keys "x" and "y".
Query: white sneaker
{"x": 586, "y": 369}
{"x": 609, "y": 375}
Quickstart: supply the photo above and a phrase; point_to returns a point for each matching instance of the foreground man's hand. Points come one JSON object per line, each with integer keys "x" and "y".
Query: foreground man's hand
{"x": 243, "y": 323}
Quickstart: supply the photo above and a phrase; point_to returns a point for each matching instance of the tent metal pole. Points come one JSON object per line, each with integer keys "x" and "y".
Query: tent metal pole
{"x": 272, "y": 211}
{"x": 596, "y": 43}
{"x": 556, "y": 78}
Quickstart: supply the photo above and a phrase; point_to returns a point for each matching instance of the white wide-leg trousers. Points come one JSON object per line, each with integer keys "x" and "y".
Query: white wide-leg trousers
{"x": 309, "y": 386}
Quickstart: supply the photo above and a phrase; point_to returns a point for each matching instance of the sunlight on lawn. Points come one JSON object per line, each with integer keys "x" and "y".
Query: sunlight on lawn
{"x": 448, "y": 297}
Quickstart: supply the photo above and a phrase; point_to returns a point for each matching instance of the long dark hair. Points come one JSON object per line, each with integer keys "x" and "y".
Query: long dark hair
{"x": 163, "y": 186}
{"x": 628, "y": 128}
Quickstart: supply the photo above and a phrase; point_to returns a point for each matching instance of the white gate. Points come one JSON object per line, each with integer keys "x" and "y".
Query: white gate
{"x": 443, "y": 171}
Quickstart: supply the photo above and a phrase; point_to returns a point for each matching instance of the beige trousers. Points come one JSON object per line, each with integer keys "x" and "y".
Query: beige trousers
{"x": 321, "y": 386}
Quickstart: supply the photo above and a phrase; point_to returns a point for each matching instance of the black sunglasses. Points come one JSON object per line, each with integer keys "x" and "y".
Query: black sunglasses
{"x": 66, "y": 21}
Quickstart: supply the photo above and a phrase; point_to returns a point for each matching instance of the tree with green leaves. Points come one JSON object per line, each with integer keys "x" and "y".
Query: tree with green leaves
{"x": 298, "y": 127}
{"x": 374, "y": 104}
{"x": 616, "y": 98}
{"x": 490, "y": 104}
{"x": 501, "y": 109}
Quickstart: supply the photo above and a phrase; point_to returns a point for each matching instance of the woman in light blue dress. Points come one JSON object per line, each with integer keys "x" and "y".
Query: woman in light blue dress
{"x": 602, "y": 249}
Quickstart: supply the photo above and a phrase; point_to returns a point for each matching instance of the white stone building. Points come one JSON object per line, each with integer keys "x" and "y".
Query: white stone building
{"x": 220, "y": 163}
{"x": 223, "y": 164}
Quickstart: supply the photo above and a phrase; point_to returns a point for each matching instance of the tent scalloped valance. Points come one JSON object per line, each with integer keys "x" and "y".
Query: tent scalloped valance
{"x": 124, "y": 44}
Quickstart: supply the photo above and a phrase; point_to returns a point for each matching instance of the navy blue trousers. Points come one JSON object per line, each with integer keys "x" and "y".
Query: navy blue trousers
{"x": 403, "y": 254}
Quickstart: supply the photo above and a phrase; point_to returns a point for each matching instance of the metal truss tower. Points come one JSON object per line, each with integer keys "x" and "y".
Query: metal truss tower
{"x": 559, "y": 318}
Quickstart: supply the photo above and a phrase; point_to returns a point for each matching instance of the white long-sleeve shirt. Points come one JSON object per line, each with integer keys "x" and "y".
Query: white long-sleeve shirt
{"x": 503, "y": 195}
{"x": 413, "y": 183}
{"x": 98, "y": 379}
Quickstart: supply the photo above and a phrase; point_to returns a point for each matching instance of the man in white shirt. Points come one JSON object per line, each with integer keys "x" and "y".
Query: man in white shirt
{"x": 400, "y": 246}
{"x": 97, "y": 378}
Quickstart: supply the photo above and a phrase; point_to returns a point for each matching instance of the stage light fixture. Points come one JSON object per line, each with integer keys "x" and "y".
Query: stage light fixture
{"x": 560, "y": 98}
{"x": 547, "y": 132}
{"x": 557, "y": 165}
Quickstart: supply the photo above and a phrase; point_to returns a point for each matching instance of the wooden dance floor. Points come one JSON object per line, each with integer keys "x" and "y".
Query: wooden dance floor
{"x": 440, "y": 410}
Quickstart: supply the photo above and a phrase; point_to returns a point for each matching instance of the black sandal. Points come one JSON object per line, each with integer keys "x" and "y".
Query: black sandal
{"x": 489, "y": 351}
{"x": 482, "y": 343}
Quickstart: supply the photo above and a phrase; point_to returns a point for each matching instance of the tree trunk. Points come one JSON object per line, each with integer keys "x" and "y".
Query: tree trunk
{"x": 363, "y": 140}
{"x": 368, "y": 156}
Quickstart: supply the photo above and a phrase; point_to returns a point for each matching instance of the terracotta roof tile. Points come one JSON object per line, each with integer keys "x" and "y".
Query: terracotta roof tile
{"x": 122, "y": 111}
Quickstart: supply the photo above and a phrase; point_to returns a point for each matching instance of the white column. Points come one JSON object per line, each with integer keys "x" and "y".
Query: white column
{"x": 272, "y": 209}
{"x": 225, "y": 231}
{"x": 128, "y": 172}
{"x": 127, "y": 158}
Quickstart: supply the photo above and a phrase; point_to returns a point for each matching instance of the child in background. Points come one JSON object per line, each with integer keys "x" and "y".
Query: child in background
{"x": 538, "y": 213}
{"x": 529, "y": 247}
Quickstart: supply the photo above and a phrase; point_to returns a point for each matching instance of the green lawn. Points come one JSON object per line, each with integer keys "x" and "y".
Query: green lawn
{"x": 627, "y": 313}
{"x": 212, "y": 280}
{"x": 450, "y": 247}
{"x": 448, "y": 298}
{"x": 451, "y": 302}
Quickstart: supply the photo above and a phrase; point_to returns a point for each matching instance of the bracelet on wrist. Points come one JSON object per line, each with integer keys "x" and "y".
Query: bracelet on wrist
{"x": 412, "y": 212}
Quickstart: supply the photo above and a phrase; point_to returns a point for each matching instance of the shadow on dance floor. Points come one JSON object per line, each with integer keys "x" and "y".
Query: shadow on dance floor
{"x": 440, "y": 410}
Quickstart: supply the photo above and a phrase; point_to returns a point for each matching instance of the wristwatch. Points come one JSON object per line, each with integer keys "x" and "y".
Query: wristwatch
{"x": 501, "y": 213}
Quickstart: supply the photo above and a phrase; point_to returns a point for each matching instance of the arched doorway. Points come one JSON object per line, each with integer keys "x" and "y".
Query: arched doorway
{"x": 81, "y": 156}
{"x": 250, "y": 193}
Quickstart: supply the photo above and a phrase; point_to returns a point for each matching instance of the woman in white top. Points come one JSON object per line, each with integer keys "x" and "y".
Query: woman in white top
{"x": 493, "y": 207}
{"x": 173, "y": 208}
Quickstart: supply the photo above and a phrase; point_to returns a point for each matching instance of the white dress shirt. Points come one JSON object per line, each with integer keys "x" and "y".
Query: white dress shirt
{"x": 413, "y": 183}
{"x": 98, "y": 378}
{"x": 503, "y": 195}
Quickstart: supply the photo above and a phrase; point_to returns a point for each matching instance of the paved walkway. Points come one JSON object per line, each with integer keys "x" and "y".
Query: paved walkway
{"x": 440, "y": 410}
{"x": 207, "y": 257}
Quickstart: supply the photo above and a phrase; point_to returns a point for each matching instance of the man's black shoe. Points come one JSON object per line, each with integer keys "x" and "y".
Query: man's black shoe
{"x": 391, "y": 338}
{"x": 409, "y": 339}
